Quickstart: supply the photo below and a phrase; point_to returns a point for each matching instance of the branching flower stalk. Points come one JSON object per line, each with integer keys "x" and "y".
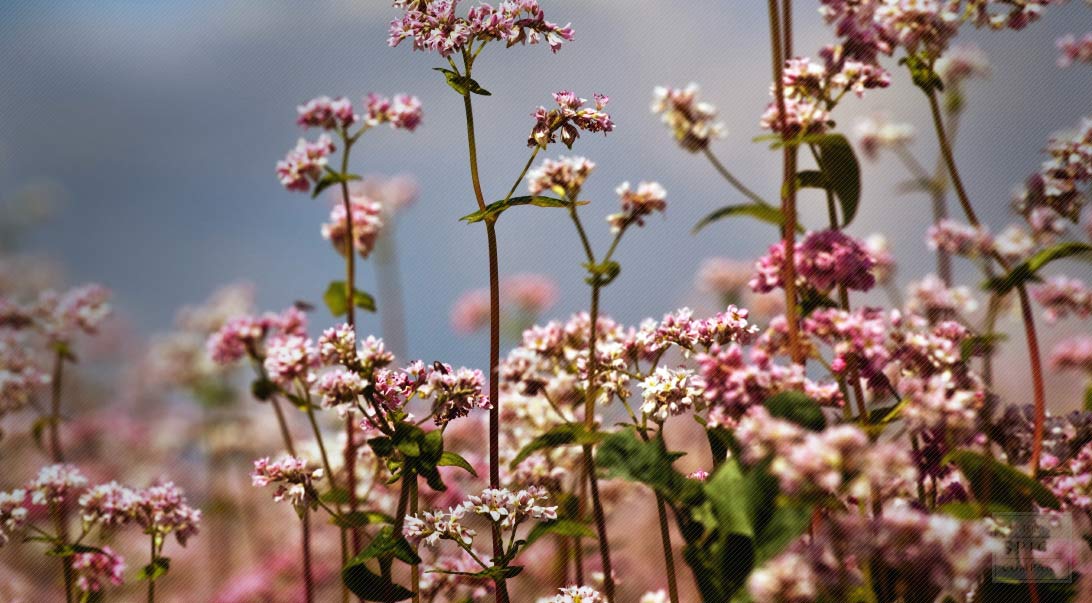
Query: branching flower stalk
{"x": 60, "y": 513}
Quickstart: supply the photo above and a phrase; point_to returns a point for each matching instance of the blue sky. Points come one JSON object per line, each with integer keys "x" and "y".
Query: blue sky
{"x": 162, "y": 122}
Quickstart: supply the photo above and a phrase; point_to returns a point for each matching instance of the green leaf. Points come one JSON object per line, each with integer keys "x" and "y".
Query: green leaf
{"x": 453, "y": 459}
{"x": 811, "y": 179}
{"x": 338, "y": 303}
{"x": 382, "y": 446}
{"x": 569, "y": 434}
{"x": 841, "y": 172}
{"x": 356, "y": 519}
{"x": 330, "y": 178}
{"x": 798, "y": 408}
{"x": 765, "y": 213}
{"x": 560, "y": 527}
{"x": 263, "y": 389}
{"x": 154, "y": 570}
{"x": 980, "y": 345}
{"x": 922, "y": 73}
{"x": 386, "y": 545}
{"x": 337, "y": 496}
{"x": 625, "y": 456}
{"x": 491, "y": 573}
{"x": 462, "y": 84}
{"x": 993, "y": 482}
{"x": 1028, "y": 270}
{"x": 495, "y": 209}
{"x": 602, "y": 274}
{"x": 38, "y": 429}
{"x": 370, "y": 587}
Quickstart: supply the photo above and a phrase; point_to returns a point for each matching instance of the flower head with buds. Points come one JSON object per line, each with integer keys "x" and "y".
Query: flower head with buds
{"x": 570, "y": 118}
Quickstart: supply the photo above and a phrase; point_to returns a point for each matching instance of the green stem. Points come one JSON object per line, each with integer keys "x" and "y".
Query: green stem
{"x": 732, "y": 180}
{"x": 151, "y": 578}
{"x": 494, "y": 329}
{"x": 60, "y": 514}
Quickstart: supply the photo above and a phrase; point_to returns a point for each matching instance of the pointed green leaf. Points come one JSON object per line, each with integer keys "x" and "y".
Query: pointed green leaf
{"x": 338, "y": 303}
{"x": 371, "y": 587}
{"x": 993, "y": 482}
{"x": 796, "y": 407}
{"x": 453, "y": 459}
{"x": 495, "y": 209}
{"x": 569, "y": 434}
{"x": 841, "y": 172}
{"x": 1028, "y": 270}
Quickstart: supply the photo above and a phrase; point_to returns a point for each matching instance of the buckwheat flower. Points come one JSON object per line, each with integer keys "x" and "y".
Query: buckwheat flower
{"x": 1074, "y": 50}
{"x": 108, "y": 504}
{"x": 962, "y": 63}
{"x": 454, "y": 393}
{"x": 294, "y": 481}
{"x": 940, "y": 403}
{"x": 304, "y": 164}
{"x": 83, "y": 308}
{"x": 655, "y": 596}
{"x": 13, "y": 513}
{"x": 723, "y": 276}
{"x": 290, "y": 358}
{"x": 830, "y": 257}
{"x": 787, "y": 578}
{"x": 433, "y": 526}
{"x": 954, "y": 238}
{"x": 530, "y": 293}
{"x": 1014, "y": 243}
{"x": 433, "y": 26}
{"x": 55, "y": 484}
{"x": 1073, "y": 354}
{"x": 340, "y": 388}
{"x": 337, "y": 345}
{"x": 236, "y": 339}
{"x": 577, "y": 594}
{"x": 569, "y": 118}
{"x": 373, "y": 353}
{"x": 667, "y": 393}
{"x": 876, "y": 133}
{"x": 326, "y": 113}
{"x": 19, "y": 376}
{"x": 730, "y": 326}
{"x": 733, "y": 385}
{"x": 367, "y": 223}
{"x": 511, "y": 509}
{"x": 649, "y": 197}
{"x": 95, "y": 569}
{"x": 564, "y": 176}
{"x": 402, "y": 112}
{"x": 930, "y": 297}
{"x": 701, "y": 475}
{"x": 691, "y": 121}
{"x": 394, "y": 194}
{"x": 928, "y": 25}
{"x": 802, "y": 116}
{"x": 162, "y": 510}
{"x": 470, "y": 312}
{"x": 1062, "y": 297}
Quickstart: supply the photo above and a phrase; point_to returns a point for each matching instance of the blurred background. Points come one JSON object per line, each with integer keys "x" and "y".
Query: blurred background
{"x": 138, "y": 140}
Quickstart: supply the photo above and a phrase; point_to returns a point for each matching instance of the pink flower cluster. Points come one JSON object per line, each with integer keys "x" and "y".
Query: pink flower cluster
{"x": 294, "y": 481}
{"x": 565, "y": 176}
{"x": 954, "y": 238}
{"x": 402, "y": 112}
{"x": 648, "y": 198}
{"x": 670, "y": 392}
{"x": 305, "y": 164}
{"x": 935, "y": 553}
{"x": 501, "y": 506}
{"x": 1074, "y": 50}
{"x": 693, "y": 122}
{"x": 93, "y": 570}
{"x": 570, "y": 118}
{"x": 824, "y": 260}
{"x": 812, "y": 90}
{"x": 576, "y": 594}
{"x": 58, "y": 316}
{"x": 1073, "y": 354}
{"x": 1062, "y": 297}
{"x": 367, "y": 223}
{"x": 326, "y": 113}
{"x": 877, "y": 132}
{"x": 529, "y": 294}
{"x": 159, "y": 509}
{"x": 1055, "y": 192}
{"x": 433, "y": 26}
{"x": 20, "y": 377}
{"x": 244, "y": 336}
